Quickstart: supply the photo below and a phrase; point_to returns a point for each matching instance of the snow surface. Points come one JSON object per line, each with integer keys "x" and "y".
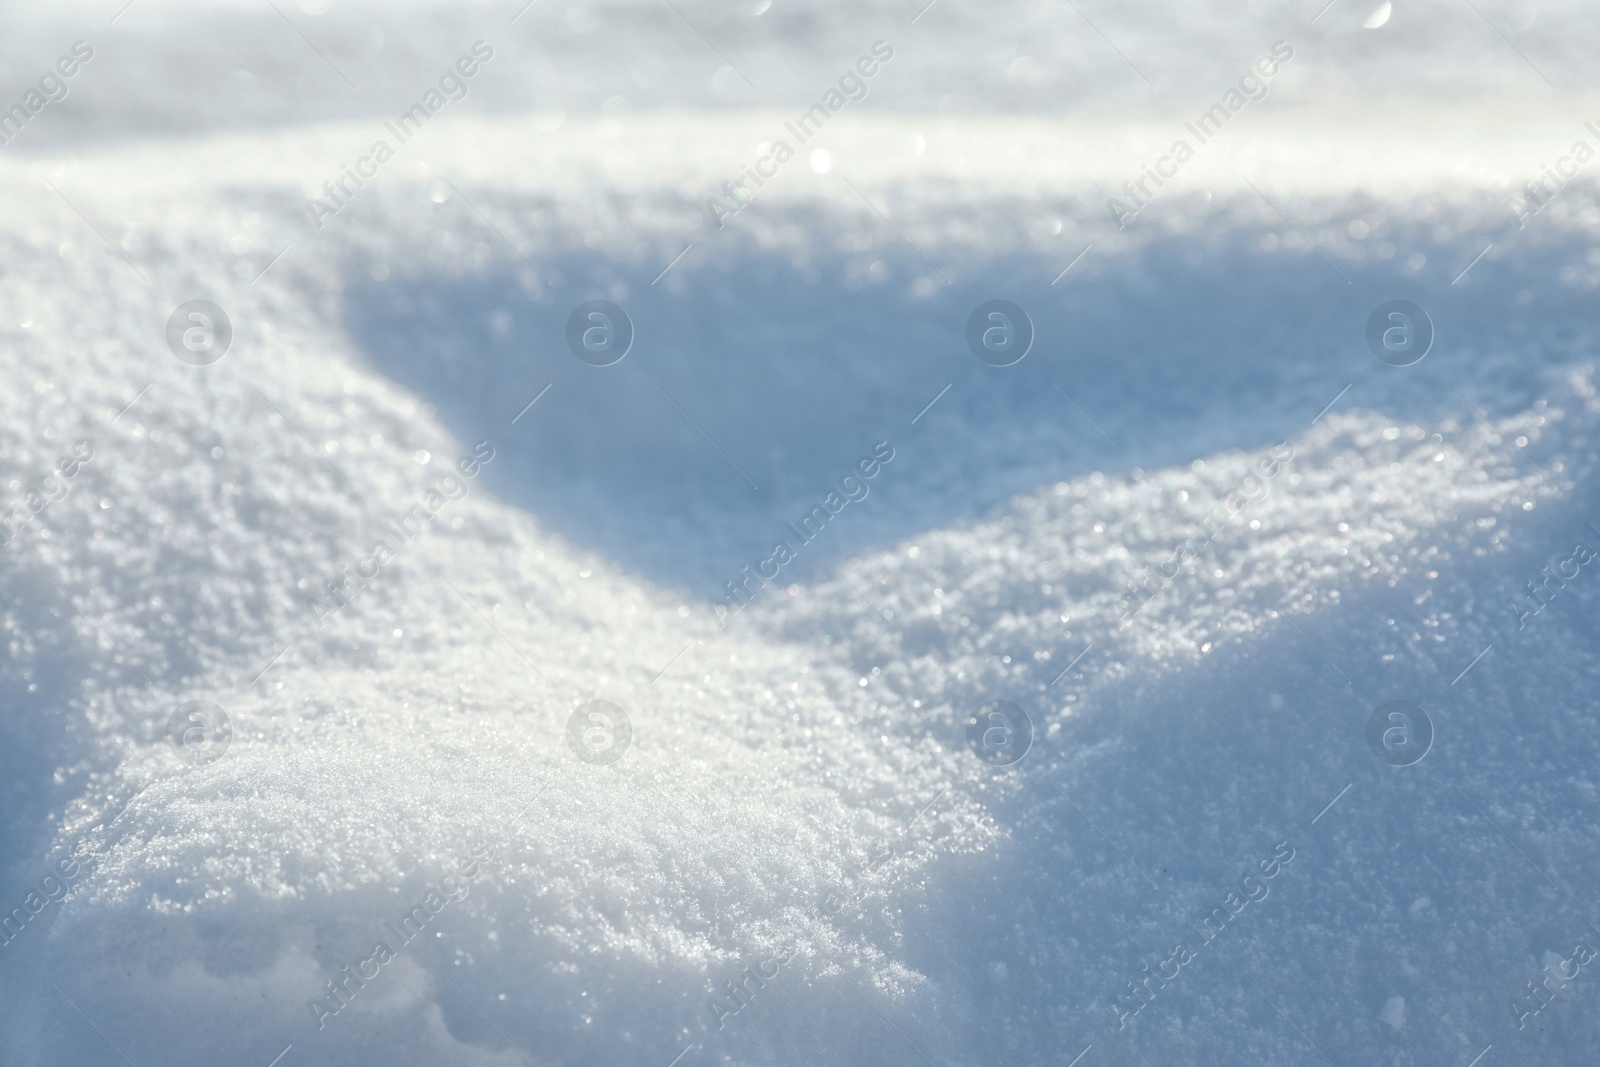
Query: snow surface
{"x": 799, "y": 797}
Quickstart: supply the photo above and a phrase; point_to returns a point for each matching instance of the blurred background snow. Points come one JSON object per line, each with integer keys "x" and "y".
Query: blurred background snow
{"x": 798, "y": 786}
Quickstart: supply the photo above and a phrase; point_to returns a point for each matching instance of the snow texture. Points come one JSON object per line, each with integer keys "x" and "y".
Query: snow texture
{"x": 1199, "y": 535}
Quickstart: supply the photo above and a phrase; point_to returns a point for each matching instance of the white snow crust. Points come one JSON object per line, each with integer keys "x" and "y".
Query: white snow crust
{"x": 799, "y": 801}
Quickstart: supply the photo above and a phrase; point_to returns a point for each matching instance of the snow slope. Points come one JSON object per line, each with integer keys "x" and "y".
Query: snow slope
{"x": 799, "y": 813}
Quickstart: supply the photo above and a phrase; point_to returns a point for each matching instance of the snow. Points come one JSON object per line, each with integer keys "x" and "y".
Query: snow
{"x": 1199, "y": 536}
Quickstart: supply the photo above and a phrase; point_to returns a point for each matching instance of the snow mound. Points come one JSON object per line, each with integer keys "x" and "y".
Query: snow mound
{"x": 1198, "y": 583}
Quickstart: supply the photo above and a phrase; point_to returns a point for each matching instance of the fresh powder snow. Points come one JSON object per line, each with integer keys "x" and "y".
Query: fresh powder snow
{"x": 518, "y": 551}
